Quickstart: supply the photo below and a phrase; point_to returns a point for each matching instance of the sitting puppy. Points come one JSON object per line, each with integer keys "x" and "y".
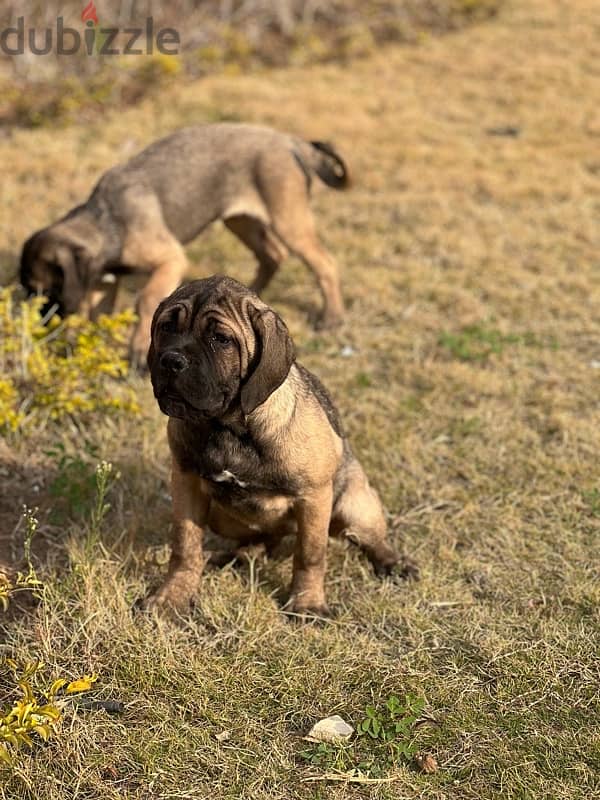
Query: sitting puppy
{"x": 257, "y": 446}
{"x": 255, "y": 179}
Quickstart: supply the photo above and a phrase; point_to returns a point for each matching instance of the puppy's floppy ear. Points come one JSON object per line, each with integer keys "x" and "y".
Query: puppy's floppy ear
{"x": 151, "y": 350}
{"x": 272, "y": 360}
{"x": 74, "y": 261}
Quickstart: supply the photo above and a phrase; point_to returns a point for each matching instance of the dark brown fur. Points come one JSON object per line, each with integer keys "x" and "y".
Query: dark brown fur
{"x": 138, "y": 216}
{"x": 257, "y": 446}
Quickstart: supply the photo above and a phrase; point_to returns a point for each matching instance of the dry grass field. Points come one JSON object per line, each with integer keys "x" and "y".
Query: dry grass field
{"x": 469, "y": 388}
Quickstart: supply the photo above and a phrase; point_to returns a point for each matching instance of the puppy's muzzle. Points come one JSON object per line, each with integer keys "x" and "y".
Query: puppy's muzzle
{"x": 174, "y": 361}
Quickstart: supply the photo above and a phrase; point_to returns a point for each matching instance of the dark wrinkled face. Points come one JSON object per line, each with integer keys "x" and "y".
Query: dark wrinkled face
{"x": 215, "y": 345}
{"x": 49, "y": 268}
{"x": 196, "y": 360}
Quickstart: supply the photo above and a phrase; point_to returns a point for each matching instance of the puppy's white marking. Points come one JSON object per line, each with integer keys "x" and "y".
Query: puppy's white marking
{"x": 226, "y": 476}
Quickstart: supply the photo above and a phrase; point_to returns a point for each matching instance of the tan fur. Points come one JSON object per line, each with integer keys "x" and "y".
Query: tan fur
{"x": 306, "y": 481}
{"x": 190, "y": 509}
{"x": 256, "y": 180}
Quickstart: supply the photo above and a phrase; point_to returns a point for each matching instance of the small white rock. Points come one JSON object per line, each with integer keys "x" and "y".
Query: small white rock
{"x": 347, "y": 351}
{"x": 331, "y": 729}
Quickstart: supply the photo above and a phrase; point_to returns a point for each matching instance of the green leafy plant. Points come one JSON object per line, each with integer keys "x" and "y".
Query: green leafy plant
{"x": 385, "y": 738}
{"x": 330, "y": 756}
{"x": 106, "y": 475}
{"x": 24, "y": 581}
{"x": 393, "y": 726}
{"x": 81, "y": 489}
{"x": 74, "y": 485}
{"x": 36, "y": 711}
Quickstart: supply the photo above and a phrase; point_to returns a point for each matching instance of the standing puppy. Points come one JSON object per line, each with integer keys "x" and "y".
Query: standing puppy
{"x": 257, "y": 446}
{"x": 255, "y": 179}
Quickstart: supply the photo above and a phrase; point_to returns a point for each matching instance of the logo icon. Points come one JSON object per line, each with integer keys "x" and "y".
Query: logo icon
{"x": 69, "y": 40}
{"x": 89, "y": 14}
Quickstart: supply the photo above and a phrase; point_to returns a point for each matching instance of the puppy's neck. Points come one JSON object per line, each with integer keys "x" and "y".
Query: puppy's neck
{"x": 276, "y": 413}
{"x": 269, "y": 419}
{"x": 232, "y": 421}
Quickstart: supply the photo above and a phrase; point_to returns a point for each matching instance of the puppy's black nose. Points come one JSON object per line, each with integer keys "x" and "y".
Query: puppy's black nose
{"x": 174, "y": 361}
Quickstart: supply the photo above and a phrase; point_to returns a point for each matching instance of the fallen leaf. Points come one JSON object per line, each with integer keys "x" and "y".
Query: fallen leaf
{"x": 426, "y": 763}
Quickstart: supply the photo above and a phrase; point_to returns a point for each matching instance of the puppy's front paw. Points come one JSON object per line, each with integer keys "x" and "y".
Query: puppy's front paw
{"x": 302, "y": 611}
{"x": 175, "y": 594}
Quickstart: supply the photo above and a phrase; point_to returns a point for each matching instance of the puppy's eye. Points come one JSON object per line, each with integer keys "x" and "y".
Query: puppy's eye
{"x": 221, "y": 338}
{"x": 166, "y": 325}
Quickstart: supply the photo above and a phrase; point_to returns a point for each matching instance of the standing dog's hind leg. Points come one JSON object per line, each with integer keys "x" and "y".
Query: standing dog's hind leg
{"x": 267, "y": 248}
{"x": 299, "y": 235}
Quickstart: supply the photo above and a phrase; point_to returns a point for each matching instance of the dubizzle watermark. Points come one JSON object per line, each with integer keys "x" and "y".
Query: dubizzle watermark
{"x": 93, "y": 40}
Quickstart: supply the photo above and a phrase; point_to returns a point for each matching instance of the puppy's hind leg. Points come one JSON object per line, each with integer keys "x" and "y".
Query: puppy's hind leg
{"x": 267, "y": 248}
{"x": 358, "y": 514}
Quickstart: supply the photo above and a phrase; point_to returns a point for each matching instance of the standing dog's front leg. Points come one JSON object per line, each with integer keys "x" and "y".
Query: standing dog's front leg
{"x": 164, "y": 280}
{"x": 190, "y": 512}
{"x": 102, "y": 299}
{"x": 149, "y": 247}
{"x": 313, "y": 514}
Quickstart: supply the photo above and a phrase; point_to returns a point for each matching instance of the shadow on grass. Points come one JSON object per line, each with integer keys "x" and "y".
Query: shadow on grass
{"x": 59, "y": 485}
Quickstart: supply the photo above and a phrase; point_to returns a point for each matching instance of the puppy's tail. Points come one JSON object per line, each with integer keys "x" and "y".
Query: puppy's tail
{"x": 329, "y": 165}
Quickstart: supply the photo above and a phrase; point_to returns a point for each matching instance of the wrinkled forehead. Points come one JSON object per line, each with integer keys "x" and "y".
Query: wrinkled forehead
{"x": 216, "y": 286}
{"x": 189, "y": 316}
{"x": 198, "y": 293}
{"x": 202, "y": 304}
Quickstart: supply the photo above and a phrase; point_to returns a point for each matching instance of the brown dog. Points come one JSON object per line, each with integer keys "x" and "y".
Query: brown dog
{"x": 255, "y": 179}
{"x": 257, "y": 446}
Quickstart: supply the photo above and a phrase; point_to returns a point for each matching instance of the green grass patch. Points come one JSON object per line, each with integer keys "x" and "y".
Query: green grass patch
{"x": 478, "y": 343}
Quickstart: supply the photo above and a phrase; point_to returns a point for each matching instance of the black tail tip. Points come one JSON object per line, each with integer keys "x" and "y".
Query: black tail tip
{"x": 334, "y": 170}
